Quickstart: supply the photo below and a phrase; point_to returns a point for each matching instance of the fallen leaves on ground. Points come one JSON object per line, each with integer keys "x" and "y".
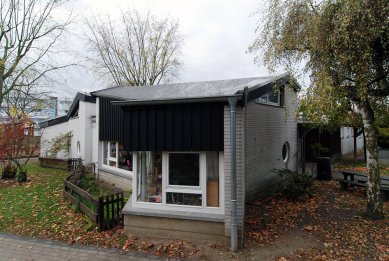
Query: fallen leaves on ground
{"x": 334, "y": 216}
{"x": 358, "y": 167}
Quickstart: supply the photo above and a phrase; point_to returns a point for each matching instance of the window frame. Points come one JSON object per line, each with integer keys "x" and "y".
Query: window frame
{"x": 278, "y": 103}
{"x": 202, "y": 189}
{"x": 198, "y": 190}
{"x": 287, "y": 151}
{"x": 115, "y": 168}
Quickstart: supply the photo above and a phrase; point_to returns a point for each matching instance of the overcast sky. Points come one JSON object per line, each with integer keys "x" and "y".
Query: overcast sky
{"x": 217, "y": 35}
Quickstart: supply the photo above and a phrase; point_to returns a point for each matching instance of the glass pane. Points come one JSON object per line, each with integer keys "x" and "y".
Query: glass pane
{"x": 112, "y": 163}
{"x": 183, "y": 199}
{"x": 184, "y": 169}
{"x": 125, "y": 158}
{"x": 105, "y": 152}
{"x": 262, "y": 98}
{"x": 273, "y": 97}
{"x": 212, "y": 179}
{"x": 149, "y": 176}
{"x": 112, "y": 149}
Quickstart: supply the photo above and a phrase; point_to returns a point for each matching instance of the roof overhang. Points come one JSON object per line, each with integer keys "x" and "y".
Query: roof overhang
{"x": 173, "y": 101}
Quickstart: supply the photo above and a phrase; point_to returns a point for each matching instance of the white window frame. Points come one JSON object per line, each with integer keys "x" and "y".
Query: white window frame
{"x": 258, "y": 99}
{"x": 199, "y": 190}
{"x": 202, "y": 189}
{"x": 116, "y": 168}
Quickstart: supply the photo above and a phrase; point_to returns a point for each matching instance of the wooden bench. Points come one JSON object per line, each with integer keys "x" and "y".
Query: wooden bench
{"x": 354, "y": 178}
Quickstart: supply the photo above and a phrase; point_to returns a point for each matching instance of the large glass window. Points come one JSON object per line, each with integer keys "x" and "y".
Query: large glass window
{"x": 212, "y": 179}
{"x": 114, "y": 155}
{"x": 184, "y": 179}
{"x": 105, "y": 153}
{"x": 184, "y": 169}
{"x": 179, "y": 179}
{"x": 112, "y": 149}
{"x": 124, "y": 158}
{"x": 149, "y": 177}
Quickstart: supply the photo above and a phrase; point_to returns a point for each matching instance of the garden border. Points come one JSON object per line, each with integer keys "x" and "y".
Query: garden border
{"x": 109, "y": 208}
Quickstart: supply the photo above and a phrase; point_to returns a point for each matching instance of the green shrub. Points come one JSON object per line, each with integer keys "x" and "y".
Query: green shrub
{"x": 297, "y": 186}
{"x": 9, "y": 172}
{"x": 22, "y": 176}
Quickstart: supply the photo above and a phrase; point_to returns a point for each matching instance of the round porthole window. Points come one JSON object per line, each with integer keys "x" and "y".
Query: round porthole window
{"x": 285, "y": 151}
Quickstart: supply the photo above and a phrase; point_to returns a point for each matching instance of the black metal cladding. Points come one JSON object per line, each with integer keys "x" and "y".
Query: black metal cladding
{"x": 110, "y": 121}
{"x": 187, "y": 127}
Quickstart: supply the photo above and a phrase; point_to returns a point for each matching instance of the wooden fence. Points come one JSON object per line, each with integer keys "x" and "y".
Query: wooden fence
{"x": 106, "y": 211}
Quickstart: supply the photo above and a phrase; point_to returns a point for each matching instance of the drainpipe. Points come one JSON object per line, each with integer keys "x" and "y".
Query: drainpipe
{"x": 234, "y": 226}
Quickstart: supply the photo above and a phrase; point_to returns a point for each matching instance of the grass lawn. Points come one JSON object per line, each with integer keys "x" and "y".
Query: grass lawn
{"x": 36, "y": 208}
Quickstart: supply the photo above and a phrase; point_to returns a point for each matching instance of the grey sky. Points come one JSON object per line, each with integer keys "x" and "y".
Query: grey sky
{"x": 217, "y": 33}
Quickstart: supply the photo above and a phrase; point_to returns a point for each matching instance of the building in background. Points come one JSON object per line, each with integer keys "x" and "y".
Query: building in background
{"x": 49, "y": 108}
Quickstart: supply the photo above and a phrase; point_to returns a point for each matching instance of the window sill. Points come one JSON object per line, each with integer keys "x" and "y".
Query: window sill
{"x": 116, "y": 171}
{"x": 270, "y": 104}
{"x": 211, "y": 217}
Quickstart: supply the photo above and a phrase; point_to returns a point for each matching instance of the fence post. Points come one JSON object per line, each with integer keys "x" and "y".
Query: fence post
{"x": 121, "y": 207}
{"x": 113, "y": 220}
{"x": 100, "y": 214}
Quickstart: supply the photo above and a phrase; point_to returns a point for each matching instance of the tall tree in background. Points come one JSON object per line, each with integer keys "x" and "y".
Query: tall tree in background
{"x": 29, "y": 31}
{"x": 25, "y": 100}
{"x": 345, "y": 45}
{"x": 140, "y": 50}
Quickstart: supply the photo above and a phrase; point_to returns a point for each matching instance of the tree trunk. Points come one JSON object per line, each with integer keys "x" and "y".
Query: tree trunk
{"x": 355, "y": 145}
{"x": 1, "y": 89}
{"x": 374, "y": 207}
{"x": 364, "y": 147}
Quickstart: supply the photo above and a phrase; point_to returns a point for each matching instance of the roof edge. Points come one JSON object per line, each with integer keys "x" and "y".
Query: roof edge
{"x": 174, "y": 101}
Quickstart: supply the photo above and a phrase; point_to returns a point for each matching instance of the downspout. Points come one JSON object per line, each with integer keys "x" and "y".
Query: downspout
{"x": 234, "y": 224}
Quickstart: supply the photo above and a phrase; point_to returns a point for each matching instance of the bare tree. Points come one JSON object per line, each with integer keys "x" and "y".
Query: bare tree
{"x": 140, "y": 50}
{"x": 26, "y": 99}
{"x": 29, "y": 31}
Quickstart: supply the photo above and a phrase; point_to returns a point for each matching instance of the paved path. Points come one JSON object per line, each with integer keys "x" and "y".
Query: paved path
{"x": 22, "y": 248}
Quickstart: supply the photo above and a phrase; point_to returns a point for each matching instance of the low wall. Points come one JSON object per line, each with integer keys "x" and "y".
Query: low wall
{"x": 124, "y": 183}
{"x": 53, "y": 163}
{"x": 174, "y": 228}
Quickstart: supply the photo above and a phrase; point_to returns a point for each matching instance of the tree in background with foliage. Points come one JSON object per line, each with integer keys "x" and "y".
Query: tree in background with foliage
{"x": 18, "y": 143}
{"x": 345, "y": 46}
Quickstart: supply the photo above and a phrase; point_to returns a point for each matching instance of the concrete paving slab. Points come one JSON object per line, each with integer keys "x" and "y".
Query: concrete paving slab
{"x": 24, "y": 248}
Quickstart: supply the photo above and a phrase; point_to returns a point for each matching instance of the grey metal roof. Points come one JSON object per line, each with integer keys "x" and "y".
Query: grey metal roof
{"x": 181, "y": 91}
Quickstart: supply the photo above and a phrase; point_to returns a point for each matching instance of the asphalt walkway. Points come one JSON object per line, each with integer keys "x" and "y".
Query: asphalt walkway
{"x": 23, "y": 248}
